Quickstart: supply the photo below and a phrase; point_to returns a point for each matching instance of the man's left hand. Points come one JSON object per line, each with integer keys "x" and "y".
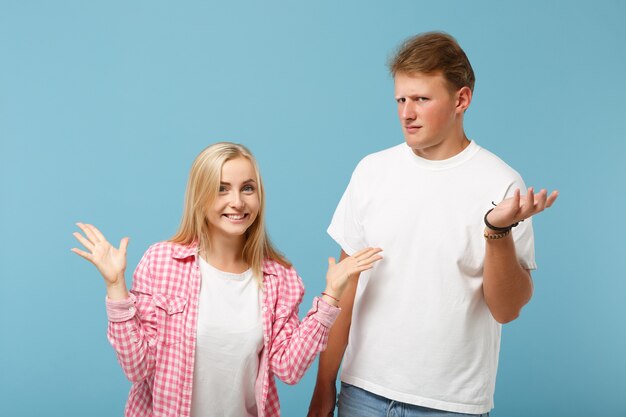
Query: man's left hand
{"x": 517, "y": 208}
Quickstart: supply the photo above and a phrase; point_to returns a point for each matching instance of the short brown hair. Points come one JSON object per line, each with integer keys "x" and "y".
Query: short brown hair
{"x": 434, "y": 52}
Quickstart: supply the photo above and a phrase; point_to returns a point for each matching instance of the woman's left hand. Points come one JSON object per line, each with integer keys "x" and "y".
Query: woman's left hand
{"x": 338, "y": 273}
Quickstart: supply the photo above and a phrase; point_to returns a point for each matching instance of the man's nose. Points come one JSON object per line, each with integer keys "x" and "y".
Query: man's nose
{"x": 409, "y": 111}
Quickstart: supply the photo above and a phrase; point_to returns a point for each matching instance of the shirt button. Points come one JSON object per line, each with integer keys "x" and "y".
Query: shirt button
{"x": 264, "y": 308}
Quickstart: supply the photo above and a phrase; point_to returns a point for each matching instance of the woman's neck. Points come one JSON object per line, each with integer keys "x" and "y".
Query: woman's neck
{"x": 226, "y": 255}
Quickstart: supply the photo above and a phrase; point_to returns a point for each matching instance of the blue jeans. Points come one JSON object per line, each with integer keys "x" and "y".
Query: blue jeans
{"x": 356, "y": 402}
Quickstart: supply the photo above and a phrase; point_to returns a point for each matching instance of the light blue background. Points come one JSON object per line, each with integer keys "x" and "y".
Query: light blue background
{"x": 103, "y": 106}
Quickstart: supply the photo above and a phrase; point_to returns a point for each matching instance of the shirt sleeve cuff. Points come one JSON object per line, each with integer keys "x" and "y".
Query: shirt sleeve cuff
{"x": 121, "y": 310}
{"x": 325, "y": 313}
{"x": 337, "y": 237}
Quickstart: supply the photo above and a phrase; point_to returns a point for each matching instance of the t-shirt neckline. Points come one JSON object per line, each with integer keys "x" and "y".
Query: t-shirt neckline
{"x": 451, "y": 162}
{"x": 232, "y": 276}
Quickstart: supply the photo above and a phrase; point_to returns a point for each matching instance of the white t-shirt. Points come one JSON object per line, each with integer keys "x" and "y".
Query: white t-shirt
{"x": 421, "y": 332}
{"x": 229, "y": 340}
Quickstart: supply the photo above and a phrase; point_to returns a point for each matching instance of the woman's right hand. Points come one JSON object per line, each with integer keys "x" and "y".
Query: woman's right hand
{"x": 110, "y": 261}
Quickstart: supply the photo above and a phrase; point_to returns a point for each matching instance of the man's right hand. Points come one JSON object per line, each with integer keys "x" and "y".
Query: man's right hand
{"x": 323, "y": 400}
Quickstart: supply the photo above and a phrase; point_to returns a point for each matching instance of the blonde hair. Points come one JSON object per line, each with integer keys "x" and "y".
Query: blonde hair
{"x": 202, "y": 190}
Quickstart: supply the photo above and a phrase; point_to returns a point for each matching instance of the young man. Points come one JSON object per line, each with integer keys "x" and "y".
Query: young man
{"x": 424, "y": 325}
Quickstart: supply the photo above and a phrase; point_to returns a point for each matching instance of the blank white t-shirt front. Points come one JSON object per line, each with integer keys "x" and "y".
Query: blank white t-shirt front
{"x": 421, "y": 331}
{"x": 228, "y": 345}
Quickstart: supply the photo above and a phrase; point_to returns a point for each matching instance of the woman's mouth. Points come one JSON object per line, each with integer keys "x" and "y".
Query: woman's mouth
{"x": 235, "y": 218}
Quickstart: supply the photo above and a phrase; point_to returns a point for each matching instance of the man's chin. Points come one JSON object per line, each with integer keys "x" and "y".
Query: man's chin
{"x": 415, "y": 144}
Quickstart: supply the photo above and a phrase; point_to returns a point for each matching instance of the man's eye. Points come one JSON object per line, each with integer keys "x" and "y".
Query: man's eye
{"x": 401, "y": 100}
{"x": 422, "y": 99}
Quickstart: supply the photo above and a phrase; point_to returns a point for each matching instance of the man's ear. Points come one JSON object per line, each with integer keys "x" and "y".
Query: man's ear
{"x": 463, "y": 99}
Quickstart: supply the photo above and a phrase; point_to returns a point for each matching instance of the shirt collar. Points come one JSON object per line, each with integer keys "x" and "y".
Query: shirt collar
{"x": 185, "y": 251}
{"x": 269, "y": 267}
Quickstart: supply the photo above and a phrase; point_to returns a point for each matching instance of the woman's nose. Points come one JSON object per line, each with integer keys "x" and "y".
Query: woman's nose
{"x": 236, "y": 201}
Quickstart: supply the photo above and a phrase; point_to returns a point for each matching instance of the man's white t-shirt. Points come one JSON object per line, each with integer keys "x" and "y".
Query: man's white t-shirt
{"x": 229, "y": 341}
{"x": 421, "y": 332}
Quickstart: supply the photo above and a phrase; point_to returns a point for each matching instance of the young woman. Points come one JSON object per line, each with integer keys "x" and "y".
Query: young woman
{"x": 212, "y": 315}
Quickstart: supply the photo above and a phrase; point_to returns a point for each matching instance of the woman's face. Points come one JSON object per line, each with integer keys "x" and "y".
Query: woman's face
{"x": 237, "y": 203}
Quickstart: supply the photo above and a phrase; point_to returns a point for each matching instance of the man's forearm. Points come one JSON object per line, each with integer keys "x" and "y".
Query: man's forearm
{"x": 330, "y": 359}
{"x": 324, "y": 396}
{"x": 507, "y": 286}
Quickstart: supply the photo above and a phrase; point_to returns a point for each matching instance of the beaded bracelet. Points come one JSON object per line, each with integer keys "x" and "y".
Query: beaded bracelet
{"x": 497, "y": 236}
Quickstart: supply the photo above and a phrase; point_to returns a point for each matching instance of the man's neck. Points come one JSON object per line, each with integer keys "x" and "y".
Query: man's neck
{"x": 444, "y": 150}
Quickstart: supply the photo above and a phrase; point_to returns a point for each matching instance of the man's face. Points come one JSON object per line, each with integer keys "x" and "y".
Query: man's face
{"x": 429, "y": 114}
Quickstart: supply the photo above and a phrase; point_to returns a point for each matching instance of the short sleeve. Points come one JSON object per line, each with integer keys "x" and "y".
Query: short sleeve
{"x": 346, "y": 225}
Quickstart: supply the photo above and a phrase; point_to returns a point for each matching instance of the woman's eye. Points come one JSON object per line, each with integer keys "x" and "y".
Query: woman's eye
{"x": 223, "y": 189}
{"x": 248, "y": 189}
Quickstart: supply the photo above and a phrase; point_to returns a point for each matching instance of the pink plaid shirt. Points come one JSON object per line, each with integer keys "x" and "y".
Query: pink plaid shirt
{"x": 153, "y": 332}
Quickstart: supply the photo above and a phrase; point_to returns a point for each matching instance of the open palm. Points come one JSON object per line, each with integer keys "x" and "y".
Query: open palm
{"x": 110, "y": 261}
{"x": 517, "y": 208}
{"x": 338, "y": 273}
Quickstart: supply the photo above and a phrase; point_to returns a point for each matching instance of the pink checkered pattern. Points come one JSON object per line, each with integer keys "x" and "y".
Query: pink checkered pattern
{"x": 153, "y": 332}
